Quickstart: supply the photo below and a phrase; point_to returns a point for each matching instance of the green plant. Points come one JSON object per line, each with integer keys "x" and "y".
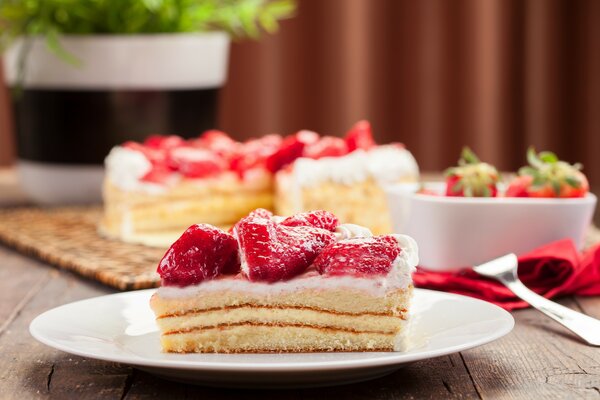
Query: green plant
{"x": 52, "y": 18}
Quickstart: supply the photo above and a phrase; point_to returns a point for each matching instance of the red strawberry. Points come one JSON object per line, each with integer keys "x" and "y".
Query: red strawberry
{"x": 254, "y": 153}
{"x": 319, "y": 219}
{"x": 547, "y": 176}
{"x": 327, "y": 146}
{"x": 155, "y": 156}
{"x": 360, "y": 136}
{"x": 358, "y": 256}
{"x": 472, "y": 178}
{"x": 218, "y": 142}
{"x": 518, "y": 187}
{"x": 258, "y": 213}
{"x": 195, "y": 162}
{"x": 272, "y": 252}
{"x": 291, "y": 148}
{"x": 163, "y": 142}
{"x": 158, "y": 174}
{"x": 203, "y": 252}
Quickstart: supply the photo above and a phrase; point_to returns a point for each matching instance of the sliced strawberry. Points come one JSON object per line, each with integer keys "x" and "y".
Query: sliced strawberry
{"x": 547, "y": 176}
{"x": 159, "y": 174}
{"x": 358, "y": 256}
{"x": 291, "y": 148}
{"x": 319, "y": 219}
{"x": 203, "y": 252}
{"x": 218, "y": 142}
{"x": 254, "y": 153}
{"x": 360, "y": 136}
{"x": 155, "y": 156}
{"x": 195, "y": 162}
{"x": 258, "y": 213}
{"x": 327, "y": 146}
{"x": 164, "y": 142}
{"x": 471, "y": 178}
{"x": 272, "y": 252}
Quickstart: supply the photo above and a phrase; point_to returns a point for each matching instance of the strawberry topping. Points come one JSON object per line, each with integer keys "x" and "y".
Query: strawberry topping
{"x": 318, "y": 219}
{"x": 203, "y": 252}
{"x": 272, "y": 252}
{"x": 195, "y": 162}
{"x": 164, "y": 142}
{"x": 327, "y": 146}
{"x": 291, "y": 148}
{"x": 254, "y": 153}
{"x": 218, "y": 142}
{"x": 360, "y": 136}
{"x": 359, "y": 256}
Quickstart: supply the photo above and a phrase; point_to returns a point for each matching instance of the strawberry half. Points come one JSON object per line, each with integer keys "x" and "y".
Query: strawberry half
{"x": 327, "y": 146}
{"x": 471, "y": 178}
{"x": 360, "y": 136}
{"x": 291, "y": 148}
{"x": 254, "y": 153}
{"x": 195, "y": 162}
{"x": 547, "y": 176}
{"x": 203, "y": 252}
{"x": 272, "y": 252}
{"x": 359, "y": 256}
{"x": 318, "y": 219}
{"x": 218, "y": 142}
{"x": 164, "y": 142}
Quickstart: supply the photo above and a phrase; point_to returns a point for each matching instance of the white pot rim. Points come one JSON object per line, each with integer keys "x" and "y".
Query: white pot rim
{"x": 120, "y": 62}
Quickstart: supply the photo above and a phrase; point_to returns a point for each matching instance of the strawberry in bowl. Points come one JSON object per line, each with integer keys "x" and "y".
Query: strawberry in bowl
{"x": 470, "y": 218}
{"x": 547, "y": 176}
{"x": 471, "y": 178}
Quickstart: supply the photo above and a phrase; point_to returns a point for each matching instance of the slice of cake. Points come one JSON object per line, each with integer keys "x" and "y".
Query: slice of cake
{"x": 299, "y": 284}
{"x": 345, "y": 177}
{"x": 154, "y": 190}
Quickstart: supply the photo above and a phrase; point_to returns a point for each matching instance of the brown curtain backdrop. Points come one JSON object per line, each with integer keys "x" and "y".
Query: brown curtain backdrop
{"x": 497, "y": 75}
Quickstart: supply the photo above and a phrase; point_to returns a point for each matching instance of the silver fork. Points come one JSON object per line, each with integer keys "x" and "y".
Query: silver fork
{"x": 504, "y": 269}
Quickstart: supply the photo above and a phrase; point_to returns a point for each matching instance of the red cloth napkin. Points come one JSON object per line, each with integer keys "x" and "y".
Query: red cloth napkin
{"x": 552, "y": 270}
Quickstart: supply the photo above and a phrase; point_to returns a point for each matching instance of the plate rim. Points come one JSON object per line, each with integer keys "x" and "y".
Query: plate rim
{"x": 398, "y": 358}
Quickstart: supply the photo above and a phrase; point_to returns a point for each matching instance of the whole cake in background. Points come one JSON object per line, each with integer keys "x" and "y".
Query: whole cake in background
{"x": 304, "y": 283}
{"x": 154, "y": 190}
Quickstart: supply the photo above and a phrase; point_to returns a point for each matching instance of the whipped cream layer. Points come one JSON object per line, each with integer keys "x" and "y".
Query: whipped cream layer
{"x": 385, "y": 164}
{"x": 399, "y": 277}
{"x": 125, "y": 167}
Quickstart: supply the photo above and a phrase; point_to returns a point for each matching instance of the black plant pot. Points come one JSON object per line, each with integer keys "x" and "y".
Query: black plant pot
{"x": 127, "y": 87}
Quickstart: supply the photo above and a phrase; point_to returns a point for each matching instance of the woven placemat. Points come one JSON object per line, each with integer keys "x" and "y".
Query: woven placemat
{"x": 68, "y": 238}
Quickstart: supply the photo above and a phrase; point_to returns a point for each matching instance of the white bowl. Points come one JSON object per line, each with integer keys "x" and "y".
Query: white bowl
{"x": 457, "y": 232}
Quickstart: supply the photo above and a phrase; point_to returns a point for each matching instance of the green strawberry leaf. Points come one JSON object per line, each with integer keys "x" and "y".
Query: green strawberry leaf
{"x": 532, "y": 158}
{"x": 574, "y": 183}
{"x": 548, "y": 157}
{"x": 468, "y": 192}
{"x": 468, "y": 156}
{"x": 486, "y": 192}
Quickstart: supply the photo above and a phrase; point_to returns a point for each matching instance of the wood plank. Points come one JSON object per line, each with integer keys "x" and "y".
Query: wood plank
{"x": 539, "y": 359}
{"x": 443, "y": 377}
{"x": 20, "y": 279}
{"x": 589, "y": 305}
{"x": 30, "y": 369}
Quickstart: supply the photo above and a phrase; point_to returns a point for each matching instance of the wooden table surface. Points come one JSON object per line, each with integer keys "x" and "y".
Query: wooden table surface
{"x": 538, "y": 359}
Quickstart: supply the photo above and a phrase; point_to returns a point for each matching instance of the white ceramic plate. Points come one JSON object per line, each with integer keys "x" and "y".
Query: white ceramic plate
{"x": 121, "y": 328}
